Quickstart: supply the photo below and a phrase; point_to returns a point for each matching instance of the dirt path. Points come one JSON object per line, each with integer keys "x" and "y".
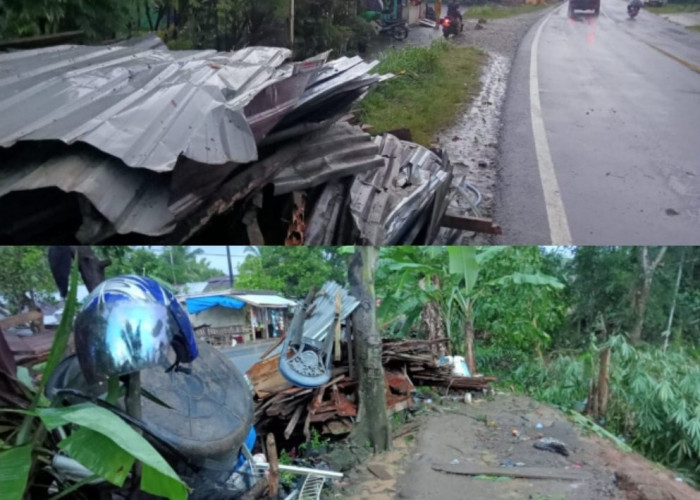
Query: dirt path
{"x": 482, "y": 434}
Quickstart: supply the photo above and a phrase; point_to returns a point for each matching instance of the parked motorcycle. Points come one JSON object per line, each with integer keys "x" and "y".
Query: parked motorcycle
{"x": 198, "y": 415}
{"x": 451, "y": 26}
{"x": 398, "y": 30}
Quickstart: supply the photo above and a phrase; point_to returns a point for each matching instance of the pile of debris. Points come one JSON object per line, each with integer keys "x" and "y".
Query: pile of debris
{"x": 418, "y": 358}
{"x": 332, "y": 407}
{"x": 134, "y": 142}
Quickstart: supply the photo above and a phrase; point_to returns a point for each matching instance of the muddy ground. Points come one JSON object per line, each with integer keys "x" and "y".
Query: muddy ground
{"x": 481, "y": 434}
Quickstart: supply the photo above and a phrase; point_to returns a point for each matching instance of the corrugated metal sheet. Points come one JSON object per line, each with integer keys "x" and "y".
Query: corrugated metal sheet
{"x": 341, "y": 151}
{"x": 132, "y": 200}
{"x": 266, "y": 300}
{"x": 322, "y": 319}
{"x": 144, "y": 106}
{"x": 385, "y": 201}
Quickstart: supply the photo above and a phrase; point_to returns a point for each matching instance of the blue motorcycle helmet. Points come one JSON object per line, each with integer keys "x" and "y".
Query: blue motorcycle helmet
{"x": 128, "y": 324}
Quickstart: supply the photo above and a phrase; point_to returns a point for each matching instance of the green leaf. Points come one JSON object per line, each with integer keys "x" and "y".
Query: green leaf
{"x": 99, "y": 454}
{"x": 157, "y": 473}
{"x": 463, "y": 262}
{"x": 24, "y": 376}
{"x": 60, "y": 342}
{"x": 15, "y": 464}
{"x": 531, "y": 279}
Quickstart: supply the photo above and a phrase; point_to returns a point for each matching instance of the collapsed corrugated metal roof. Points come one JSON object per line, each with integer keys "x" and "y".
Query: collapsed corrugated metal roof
{"x": 385, "y": 201}
{"x": 143, "y": 106}
{"x": 195, "y": 117}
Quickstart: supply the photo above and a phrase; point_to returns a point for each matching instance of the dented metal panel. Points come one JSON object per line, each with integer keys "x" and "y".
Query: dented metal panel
{"x": 385, "y": 201}
{"x": 341, "y": 151}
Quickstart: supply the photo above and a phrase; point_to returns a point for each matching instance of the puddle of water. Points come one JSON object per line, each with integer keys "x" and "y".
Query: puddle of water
{"x": 472, "y": 145}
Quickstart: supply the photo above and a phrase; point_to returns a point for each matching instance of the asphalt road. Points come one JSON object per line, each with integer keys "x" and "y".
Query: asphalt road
{"x": 614, "y": 155}
{"x": 246, "y": 355}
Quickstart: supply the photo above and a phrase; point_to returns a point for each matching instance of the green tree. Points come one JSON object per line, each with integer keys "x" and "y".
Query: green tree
{"x": 174, "y": 264}
{"x": 25, "y": 277}
{"x": 290, "y": 270}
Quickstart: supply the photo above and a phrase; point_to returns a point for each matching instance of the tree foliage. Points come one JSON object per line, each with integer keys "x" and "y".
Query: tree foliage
{"x": 24, "y": 276}
{"x": 173, "y": 264}
{"x": 291, "y": 271}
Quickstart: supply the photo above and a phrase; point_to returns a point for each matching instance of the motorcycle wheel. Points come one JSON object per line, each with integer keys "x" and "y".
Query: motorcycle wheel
{"x": 400, "y": 33}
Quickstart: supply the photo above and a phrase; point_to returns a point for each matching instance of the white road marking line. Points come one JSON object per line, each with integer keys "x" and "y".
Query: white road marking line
{"x": 556, "y": 215}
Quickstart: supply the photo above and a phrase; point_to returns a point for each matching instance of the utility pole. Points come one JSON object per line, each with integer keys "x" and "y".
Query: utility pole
{"x": 291, "y": 25}
{"x": 230, "y": 268}
{"x": 172, "y": 264}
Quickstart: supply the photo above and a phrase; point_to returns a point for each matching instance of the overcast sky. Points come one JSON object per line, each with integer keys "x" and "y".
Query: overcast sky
{"x": 216, "y": 255}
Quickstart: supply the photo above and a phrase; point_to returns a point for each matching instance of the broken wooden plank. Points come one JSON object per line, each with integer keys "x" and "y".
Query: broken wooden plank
{"x": 274, "y": 476}
{"x": 266, "y": 377}
{"x": 517, "y": 472}
{"x": 379, "y": 471}
{"x": 21, "y": 319}
{"x": 480, "y": 225}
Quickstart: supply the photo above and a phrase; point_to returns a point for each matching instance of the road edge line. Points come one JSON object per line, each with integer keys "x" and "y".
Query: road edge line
{"x": 556, "y": 215}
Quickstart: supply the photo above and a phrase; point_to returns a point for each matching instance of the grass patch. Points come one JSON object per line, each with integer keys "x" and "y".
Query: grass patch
{"x": 500, "y": 11}
{"x": 432, "y": 86}
{"x": 675, "y": 8}
{"x": 694, "y": 28}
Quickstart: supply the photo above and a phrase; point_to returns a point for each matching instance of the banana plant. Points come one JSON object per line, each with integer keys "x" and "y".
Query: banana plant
{"x": 99, "y": 440}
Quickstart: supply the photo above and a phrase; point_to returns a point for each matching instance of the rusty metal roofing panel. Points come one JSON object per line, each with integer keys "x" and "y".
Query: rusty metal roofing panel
{"x": 385, "y": 201}
{"x": 144, "y": 106}
{"x": 338, "y": 152}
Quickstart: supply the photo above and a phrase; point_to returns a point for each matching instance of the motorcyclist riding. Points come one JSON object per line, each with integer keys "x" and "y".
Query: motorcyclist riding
{"x": 634, "y": 4}
{"x": 454, "y": 13}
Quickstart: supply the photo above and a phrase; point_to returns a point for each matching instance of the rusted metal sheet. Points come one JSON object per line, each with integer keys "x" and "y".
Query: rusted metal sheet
{"x": 297, "y": 226}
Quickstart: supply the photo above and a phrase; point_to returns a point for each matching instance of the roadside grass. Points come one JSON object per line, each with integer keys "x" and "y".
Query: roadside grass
{"x": 432, "y": 87}
{"x": 496, "y": 11}
{"x": 694, "y": 28}
{"x": 675, "y": 8}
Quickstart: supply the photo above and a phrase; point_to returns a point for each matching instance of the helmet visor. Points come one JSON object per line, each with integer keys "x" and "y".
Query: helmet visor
{"x": 123, "y": 337}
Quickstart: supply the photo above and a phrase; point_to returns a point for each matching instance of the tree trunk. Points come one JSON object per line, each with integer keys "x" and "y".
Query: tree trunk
{"x": 148, "y": 15}
{"x": 469, "y": 346}
{"x": 667, "y": 333}
{"x": 432, "y": 322}
{"x": 599, "y": 392}
{"x": 372, "y": 420}
{"x": 641, "y": 293}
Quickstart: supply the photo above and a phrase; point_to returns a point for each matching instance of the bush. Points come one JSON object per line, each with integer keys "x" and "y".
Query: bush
{"x": 654, "y": 397}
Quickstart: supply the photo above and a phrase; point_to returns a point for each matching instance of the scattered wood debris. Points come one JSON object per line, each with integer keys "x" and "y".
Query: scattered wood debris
{"x": 332, "y": 407}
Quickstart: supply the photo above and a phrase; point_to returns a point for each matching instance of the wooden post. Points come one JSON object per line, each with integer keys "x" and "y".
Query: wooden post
{"x": 274, "y": 465}
{"x": 338, "y": 314}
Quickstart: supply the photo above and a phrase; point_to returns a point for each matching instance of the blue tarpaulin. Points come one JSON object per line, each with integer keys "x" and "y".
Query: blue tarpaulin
{"x": 198, "y": 304}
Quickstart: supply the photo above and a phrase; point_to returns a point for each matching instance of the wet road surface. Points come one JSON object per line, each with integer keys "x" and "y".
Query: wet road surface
{"x": 620, "y": 109}
{"x": 244, "y": 356}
